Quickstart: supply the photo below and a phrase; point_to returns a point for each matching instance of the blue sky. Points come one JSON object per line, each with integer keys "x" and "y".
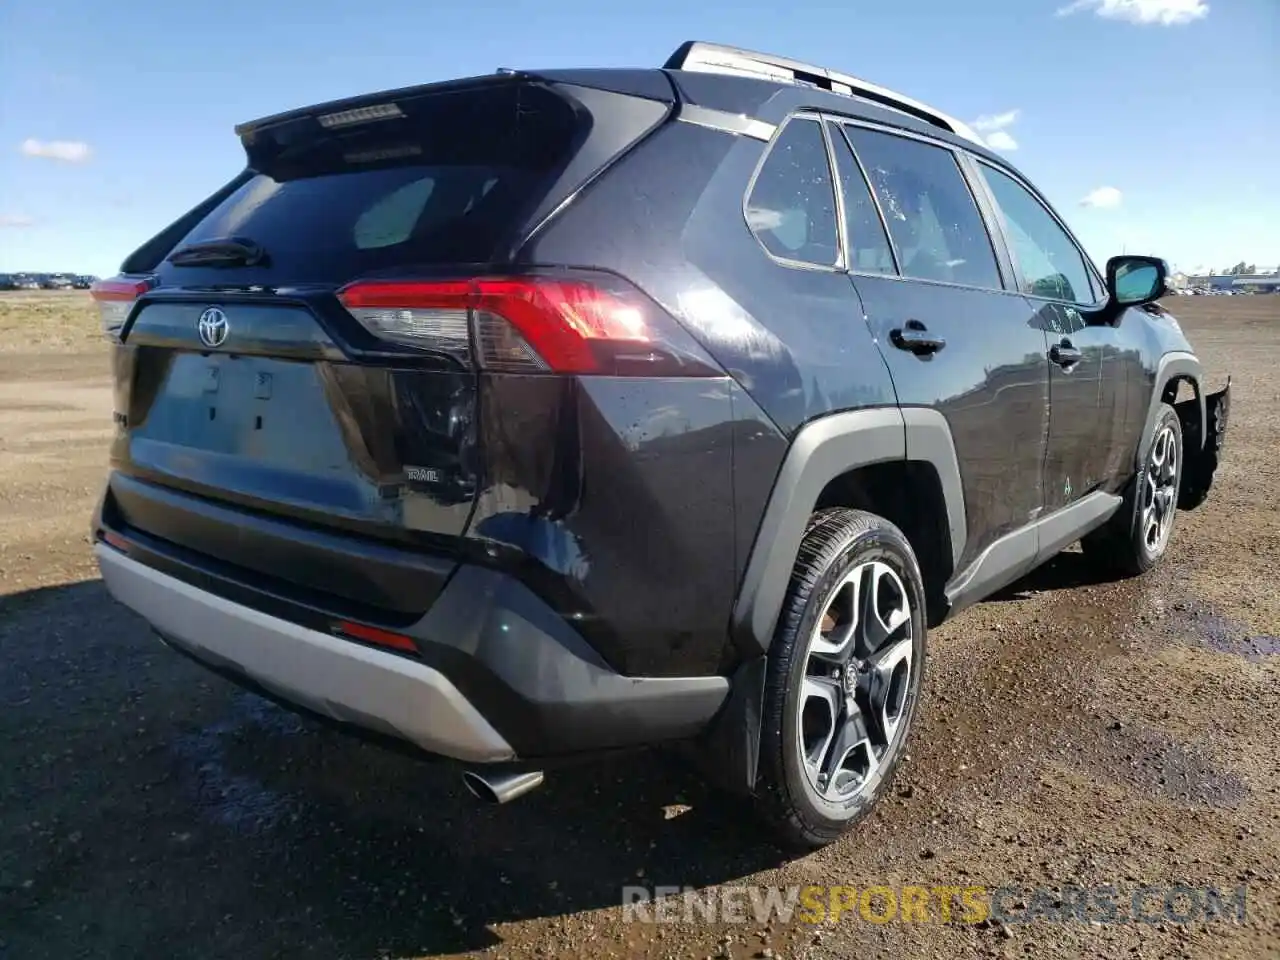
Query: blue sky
{"x": 117, "y": 116}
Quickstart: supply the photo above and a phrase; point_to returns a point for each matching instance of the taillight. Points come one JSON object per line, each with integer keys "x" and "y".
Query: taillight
{"x": 115, "y": 299}
{"x": 432, "y": 316}
{"x": 531, "y": 324}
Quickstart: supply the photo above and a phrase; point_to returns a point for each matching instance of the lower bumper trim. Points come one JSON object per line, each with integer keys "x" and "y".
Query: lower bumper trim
{"x": 330, "y": 676}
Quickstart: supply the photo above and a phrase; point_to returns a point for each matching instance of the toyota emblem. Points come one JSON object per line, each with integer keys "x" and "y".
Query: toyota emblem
{"x": 213, "y": 328}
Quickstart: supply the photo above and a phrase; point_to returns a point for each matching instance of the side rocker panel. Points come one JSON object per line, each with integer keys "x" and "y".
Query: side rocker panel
{"x": 1020, "y": 551}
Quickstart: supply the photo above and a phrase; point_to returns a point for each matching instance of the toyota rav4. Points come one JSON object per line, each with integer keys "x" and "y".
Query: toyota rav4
{"x": 537, "y": 416}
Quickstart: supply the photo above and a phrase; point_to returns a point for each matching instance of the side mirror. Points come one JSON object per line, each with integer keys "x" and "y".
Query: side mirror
{"x": 1134, "y": 281}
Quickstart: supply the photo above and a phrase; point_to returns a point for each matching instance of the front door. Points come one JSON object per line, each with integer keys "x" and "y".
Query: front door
{"x": 1086, "y": 371}
{"x": 953, "y": 337}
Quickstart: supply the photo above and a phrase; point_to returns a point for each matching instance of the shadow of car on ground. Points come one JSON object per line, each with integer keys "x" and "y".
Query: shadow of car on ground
{"x": 148, "y": 807}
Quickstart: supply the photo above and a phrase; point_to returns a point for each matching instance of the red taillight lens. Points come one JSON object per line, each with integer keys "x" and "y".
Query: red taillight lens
{"x": 565, "y": 322}
{"x": 377, "y": 636}
{"x": 115, "y": 299}
{"x": 115, "y": 540}
{"x": 531, "y": 324}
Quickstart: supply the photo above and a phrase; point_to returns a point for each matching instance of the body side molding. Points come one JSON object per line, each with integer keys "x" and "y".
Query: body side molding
{"x": 1176, "y": 363}
{"x": 929, "y": 440}
{"x": 821, "y": 451}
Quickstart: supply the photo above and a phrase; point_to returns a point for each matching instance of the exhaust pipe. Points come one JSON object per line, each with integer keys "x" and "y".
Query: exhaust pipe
{"x": 503, "y": 787}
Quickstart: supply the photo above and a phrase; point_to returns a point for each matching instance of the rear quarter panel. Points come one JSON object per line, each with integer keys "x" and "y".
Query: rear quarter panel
{"x": 669, "y": 217}
{"x": 613, "y": 499}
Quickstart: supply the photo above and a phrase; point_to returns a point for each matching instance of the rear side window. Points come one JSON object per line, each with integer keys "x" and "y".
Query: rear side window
{"x": 869, "y": 250}
{"x": 792, "y": 205}
{"x": 446, "y": 181}
{"x": 933, "y": 219}
{"x": 1051, "y": 264}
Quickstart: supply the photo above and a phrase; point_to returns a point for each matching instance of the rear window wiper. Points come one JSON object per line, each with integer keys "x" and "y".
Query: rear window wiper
{"x": 226, "y": 252}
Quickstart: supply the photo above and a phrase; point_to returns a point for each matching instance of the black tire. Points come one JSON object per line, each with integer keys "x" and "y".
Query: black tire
{"x": 1121, "y": 546}
{"x": 836, "y": 542}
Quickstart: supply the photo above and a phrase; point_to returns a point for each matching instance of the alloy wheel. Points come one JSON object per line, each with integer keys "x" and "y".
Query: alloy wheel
{"x": 1160, "y": 491}
{"x": 857, "y": 681}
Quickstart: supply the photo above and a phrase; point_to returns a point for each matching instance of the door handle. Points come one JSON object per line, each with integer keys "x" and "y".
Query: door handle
{"x": 1064, "y": 354}
{"x": 915, "y": 337}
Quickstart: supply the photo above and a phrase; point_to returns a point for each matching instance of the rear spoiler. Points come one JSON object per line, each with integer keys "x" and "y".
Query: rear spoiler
{"x": 650, "y": 84}
{"x": 367, "y": 100}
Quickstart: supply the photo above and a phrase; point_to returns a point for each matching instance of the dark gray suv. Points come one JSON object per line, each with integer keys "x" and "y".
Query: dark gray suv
{"x": 535, "y": 416}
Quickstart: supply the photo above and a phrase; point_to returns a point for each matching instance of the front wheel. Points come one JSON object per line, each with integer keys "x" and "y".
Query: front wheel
{"x": 1135, "y": 539}
{"x": 844, "y": 676}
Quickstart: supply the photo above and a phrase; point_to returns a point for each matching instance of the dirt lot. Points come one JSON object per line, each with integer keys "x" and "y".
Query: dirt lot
{"x": 1076, "y": 733}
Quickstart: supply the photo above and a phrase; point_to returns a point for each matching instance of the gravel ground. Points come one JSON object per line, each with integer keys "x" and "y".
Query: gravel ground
{"x": 1076, "y": 733}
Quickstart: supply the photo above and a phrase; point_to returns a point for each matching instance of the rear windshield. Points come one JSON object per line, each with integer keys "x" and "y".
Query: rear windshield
{"x": 444, "y": 181}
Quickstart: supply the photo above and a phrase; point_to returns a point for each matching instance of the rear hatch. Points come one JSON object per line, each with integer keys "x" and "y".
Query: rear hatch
{"x": 272, "y": 402}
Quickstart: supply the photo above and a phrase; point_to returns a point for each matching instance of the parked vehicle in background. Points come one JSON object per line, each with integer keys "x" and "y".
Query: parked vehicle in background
{"x": 825, "y": 371}
{"x": 46, "y": 281}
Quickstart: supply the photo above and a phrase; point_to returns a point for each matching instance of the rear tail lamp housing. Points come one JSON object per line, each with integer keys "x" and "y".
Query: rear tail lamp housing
{"x": 115, "y": 299}
{"x": 571, "y": 324}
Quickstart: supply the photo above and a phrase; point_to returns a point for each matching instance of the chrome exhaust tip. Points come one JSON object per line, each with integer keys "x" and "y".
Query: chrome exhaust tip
{"x": 501, "y": 788}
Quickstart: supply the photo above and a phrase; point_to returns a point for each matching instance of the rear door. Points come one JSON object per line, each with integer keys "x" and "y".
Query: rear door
{"x": 954, "y": 338}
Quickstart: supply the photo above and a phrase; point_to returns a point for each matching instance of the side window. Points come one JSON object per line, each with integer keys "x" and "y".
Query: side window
{"x": 869, "y": 250}
{"x": 933, "y": 219}
{"x": 1051, "y": 264}
{"x": 792, "y": 206}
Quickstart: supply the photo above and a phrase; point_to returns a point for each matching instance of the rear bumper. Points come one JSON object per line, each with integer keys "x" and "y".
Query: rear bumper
{"x": 330, "y": 676}
{"x": 498, "y": 675}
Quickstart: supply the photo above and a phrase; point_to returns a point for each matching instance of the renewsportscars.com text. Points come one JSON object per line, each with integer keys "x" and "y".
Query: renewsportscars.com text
{"x": 967, "y": 904}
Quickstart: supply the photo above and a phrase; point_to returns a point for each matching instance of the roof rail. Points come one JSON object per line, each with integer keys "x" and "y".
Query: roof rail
{"x": 703, "y": 57}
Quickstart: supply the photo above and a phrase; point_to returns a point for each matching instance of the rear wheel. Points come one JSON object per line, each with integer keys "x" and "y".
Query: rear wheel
{"x": 844, "y": 676}
{"x": 1136, "y": 538}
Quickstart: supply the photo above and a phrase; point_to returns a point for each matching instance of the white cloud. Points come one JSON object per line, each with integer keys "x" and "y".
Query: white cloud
{"x": 1167, "y": 13}
{"x": 1103, "y": 197}
{"x": 15, "y": 220}
{"x": 995, "y": 126}
{"x": 1001, "y": 140}
{"x": 68, "y": 151}
{"x": 997, "y": 121}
